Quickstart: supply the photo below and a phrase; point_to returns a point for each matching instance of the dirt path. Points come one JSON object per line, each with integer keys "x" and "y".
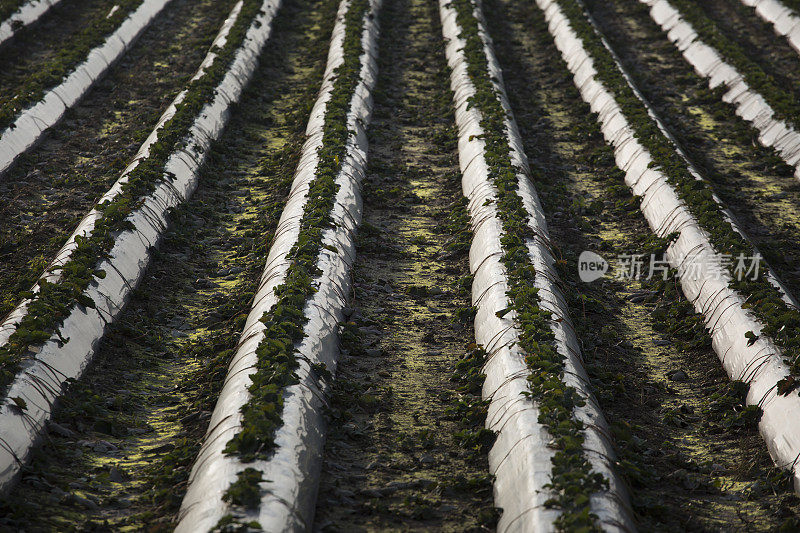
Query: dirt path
{"x": 50, "y": 189}
{"x": 126, "y": 434}
{"x": 400, "y": 455}
{"x": 652, "y": 367}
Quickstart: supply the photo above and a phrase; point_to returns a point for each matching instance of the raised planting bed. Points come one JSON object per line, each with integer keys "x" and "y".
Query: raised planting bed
{"x": 27, "y": 13}
{"x": 756, "y": 99}
{"x": 51, "y": 336}
{"x": 783, "y": 19}
{"x": 693, "y": 171}
{"x": 48, "y": 93}
{"x": 752, "y": 327}
{"x": 552, "y": 459}
{"x": 260, "y": 461}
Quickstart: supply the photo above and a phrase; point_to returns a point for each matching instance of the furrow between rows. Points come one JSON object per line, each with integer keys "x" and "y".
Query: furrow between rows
{"x": 26, "y": 14}
{"x": 406, "y": 444}
{"x": 745, "y": 352}
{"x": 107, "y": 256}
{"x": 27, "y": 127}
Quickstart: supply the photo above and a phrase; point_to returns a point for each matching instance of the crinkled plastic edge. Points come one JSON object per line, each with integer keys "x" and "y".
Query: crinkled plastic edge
{"x": 750, "y": 105}
{"x": 27, "y": 14}
{"x": 34, "y": 121}
{"x": 53, "y": 273}
{"x": 726, "y": 213}
{"x": 42, "y": 377}
{"x": 292, "y": 474}
{"x": 703, "y": 278}
{"x": 784, "y": 20}
{"x": 520, "y": 460}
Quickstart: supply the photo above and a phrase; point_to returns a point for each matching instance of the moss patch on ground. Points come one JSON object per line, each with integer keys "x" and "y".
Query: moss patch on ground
{"x": 155, "y": 380}
{"x": 407, "y": 446}
{"x": 684, "y": 468}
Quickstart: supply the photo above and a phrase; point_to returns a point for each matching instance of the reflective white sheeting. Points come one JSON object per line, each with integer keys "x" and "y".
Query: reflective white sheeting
{"x": 698, "y": 264}
{"x": 28, "y": 13}
{"x": 42, "y": 377}
{"x": 521, "y": 457}
{"x": 292, "y": 474}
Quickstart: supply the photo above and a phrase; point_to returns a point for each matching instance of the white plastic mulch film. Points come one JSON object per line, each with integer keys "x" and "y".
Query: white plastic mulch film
{"x": 292, "y": 474}
{"x": 521, "y": 456}
{"x": 750, "y": 105}
{"x": 760, "y": 364}
{"x": 32, "y": 123}
{"x": 43, "y": 375}
{"x": 726, "y": 213}
{"x": 28, "y": 13}
{"x": 784, "y": 20}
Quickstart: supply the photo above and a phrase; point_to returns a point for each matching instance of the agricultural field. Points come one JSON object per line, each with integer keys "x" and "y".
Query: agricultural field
{"x": 394, "y": 265}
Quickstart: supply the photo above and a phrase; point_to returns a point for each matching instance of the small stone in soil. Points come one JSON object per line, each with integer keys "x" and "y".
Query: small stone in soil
{"x": 115, "y": 475}
{"x": 82, "y": 502}
{"x": 371, "y": 493}
{"x": 163, "y": 448}
{"x": 678, "y": 375}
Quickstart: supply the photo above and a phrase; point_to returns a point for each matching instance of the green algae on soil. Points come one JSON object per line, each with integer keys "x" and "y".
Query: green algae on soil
{"x": 406, "y": 448}
{"x": 50, "y": 67}
{"x": 139, "y": 414}
{"x": 686, "y": 470}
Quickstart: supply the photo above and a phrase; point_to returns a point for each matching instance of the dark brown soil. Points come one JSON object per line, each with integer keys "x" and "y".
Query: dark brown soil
{"x": 683, "y": 472}
{"x": 751, "y": 180}
{"x": 135, "y": 420}
{"x": 49, "y": 190}
{"x": 37, "y": 44}
{"x": 392, "y": 459}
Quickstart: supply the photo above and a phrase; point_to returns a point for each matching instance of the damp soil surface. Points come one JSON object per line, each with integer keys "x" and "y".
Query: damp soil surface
{"x": 37, "y": 45}
{"x": 398, "y": 456}
{"x": 657, "y": 380}
{"x": 118, "y": 453}
{"x": 757, "y": 40}
{"x": 751, "y": 180}
{"x": 52, "y": 187}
